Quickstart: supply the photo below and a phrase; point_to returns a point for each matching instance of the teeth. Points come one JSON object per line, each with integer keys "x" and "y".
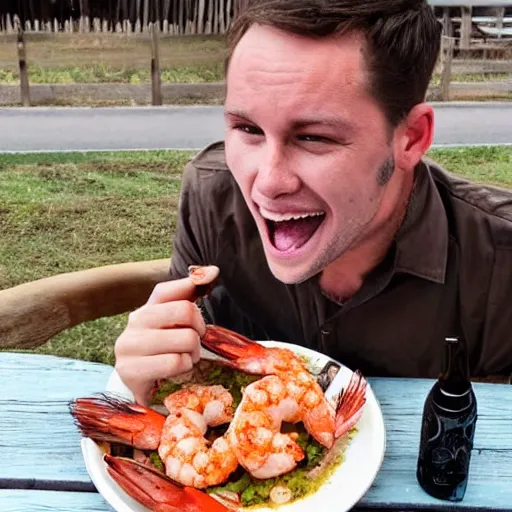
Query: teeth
{"x": 282, "y": 217}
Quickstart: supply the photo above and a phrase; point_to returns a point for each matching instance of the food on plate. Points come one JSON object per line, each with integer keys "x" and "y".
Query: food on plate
{"x": 188, "y": 457}
{"x": 253, "y": 429}
{"x": 301, "y": 393}
{"x": 156, "y": 492}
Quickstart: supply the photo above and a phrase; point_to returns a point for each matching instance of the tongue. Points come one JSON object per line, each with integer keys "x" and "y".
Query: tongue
{"x": 294, "y": 233}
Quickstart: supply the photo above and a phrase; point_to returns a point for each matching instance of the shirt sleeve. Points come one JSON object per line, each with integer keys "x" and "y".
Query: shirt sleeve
{"x": 194, "y": 240}
{"x": 497, "y": 333}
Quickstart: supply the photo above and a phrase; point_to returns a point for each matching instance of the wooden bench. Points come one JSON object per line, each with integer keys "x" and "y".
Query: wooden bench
{"x": 32, "y": 313}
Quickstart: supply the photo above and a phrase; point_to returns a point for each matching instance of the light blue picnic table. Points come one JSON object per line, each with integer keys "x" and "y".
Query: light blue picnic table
{"x": 41, "y": 465}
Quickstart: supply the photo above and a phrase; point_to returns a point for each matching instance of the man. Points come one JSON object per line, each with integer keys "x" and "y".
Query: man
{"x": 329, "y": 227}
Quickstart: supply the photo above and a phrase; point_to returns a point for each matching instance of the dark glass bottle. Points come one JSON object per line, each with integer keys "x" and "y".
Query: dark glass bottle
{"x": 448, "y": 428}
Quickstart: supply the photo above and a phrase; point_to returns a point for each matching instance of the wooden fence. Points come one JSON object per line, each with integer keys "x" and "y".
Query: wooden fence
{"x": 177, "y": 17}
{"x": 214, "y": 22}
{"x": 187, "y": 17}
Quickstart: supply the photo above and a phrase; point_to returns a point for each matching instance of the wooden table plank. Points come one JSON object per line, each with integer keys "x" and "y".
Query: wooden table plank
{"x": 37, "y": 434}
{"x": 54, "y": 501}
{"x": 41, "y": 444}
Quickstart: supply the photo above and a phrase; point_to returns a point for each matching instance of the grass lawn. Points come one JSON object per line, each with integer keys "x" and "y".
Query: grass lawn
{"x": 108, "y": 58}
{"x": 72, "y": 211}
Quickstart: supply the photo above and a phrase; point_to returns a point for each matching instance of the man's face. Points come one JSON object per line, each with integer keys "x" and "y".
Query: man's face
{"x": 309, "y": 147}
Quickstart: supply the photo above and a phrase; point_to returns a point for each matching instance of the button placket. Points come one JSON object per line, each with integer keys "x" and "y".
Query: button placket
{"x": 326, "y": 331}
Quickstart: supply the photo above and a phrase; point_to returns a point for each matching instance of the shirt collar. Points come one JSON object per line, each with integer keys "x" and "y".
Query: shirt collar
{"x": 422, "y": 241}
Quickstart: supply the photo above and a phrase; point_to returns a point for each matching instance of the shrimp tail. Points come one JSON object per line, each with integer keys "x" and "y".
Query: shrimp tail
{"x": 350, "y": 404}
{"x": 156, "y": 491}
{"x": 229, "y": 344}
{"x": 116, "y": 420}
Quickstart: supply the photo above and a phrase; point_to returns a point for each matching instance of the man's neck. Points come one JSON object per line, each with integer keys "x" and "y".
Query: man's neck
{"x": 343, "y": 278}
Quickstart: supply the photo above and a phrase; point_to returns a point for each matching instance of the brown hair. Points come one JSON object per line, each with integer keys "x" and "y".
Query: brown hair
{"x": 403, "y": 40}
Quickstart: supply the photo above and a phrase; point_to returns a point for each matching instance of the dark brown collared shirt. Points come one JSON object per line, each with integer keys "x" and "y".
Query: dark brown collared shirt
{"x": 448, "y": 272}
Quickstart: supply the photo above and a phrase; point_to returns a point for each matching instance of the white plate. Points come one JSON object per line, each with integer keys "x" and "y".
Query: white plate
{"x": 346, "y": 486}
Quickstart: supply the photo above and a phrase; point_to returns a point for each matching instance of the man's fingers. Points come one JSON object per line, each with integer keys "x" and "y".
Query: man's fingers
{"x": 139, "y": 373}
{"x": 162, "y": 338}
{"x": 196, "y": 353}
{"x": 169, "y": 291}
{"x": 167, "y": 316}
{"x": 181, "y": 289}
{"x": 160, "y": 341}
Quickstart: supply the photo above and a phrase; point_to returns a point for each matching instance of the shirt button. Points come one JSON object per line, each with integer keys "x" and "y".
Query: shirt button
{"x": 326, "y": 330}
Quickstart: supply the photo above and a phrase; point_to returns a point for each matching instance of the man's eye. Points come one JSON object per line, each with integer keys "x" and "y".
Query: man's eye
{"x": 313, "y": 138}
{"x": 247, "y": 128}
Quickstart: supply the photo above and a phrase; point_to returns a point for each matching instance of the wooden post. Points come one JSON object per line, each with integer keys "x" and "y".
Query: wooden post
{"x": 9, "y": 24}
{"x": 209, "y": 19}
{"x": 156, "y": 79}
{"x": 228, "y": 11}
{"x": 447, "y": 23}
{"x": 200, "y": 20}
{"x": 145, "y": 21}
{"x": 181, "y": 20}
{"x": 465, "y": 28}
{"x": 446, "y": 67}
{"x": 175, "y": 19}
{"x": 499, "y": 20}
{"x": 22, "y": 58}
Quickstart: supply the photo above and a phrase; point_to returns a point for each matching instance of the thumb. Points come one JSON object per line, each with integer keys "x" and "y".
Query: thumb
{"x": 195, "y": 285}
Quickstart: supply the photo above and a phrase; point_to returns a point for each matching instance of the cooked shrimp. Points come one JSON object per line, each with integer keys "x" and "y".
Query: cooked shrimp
{"x": 188, "y": 456}
{"x": 289, "y": 393}
{"x": 158, "y": 493}
{"x": 254, "y": 433}
{"x": 215, "y": 403}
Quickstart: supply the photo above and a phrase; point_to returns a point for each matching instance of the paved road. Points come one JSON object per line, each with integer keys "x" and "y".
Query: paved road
{"x": 51, "y": 129}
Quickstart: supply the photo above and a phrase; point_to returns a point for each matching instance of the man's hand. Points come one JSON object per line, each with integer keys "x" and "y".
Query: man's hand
{"x": 162, "y": 338}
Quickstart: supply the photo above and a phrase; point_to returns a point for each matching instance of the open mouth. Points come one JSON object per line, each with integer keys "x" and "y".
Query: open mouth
{"x": 295, "y": 232}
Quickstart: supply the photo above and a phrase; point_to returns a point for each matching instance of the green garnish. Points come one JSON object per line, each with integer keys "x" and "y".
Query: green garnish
{"x": 166, "y": 388}
{"x": 257, "y": 492}
{"x": 157, "y": 461}
{"x": 233, "y": 380}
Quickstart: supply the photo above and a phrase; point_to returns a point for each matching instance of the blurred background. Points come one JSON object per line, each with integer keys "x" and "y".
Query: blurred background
{"x": 137, "y": 52}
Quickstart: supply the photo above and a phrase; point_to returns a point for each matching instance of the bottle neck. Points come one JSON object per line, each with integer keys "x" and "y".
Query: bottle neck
{"x": 454, "y": 384}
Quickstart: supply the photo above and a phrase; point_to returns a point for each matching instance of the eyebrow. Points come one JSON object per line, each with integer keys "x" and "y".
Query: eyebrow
{"x": 332, "y": 121}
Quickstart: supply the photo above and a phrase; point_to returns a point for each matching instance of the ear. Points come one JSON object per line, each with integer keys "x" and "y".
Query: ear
{"x": 414, "y": 136}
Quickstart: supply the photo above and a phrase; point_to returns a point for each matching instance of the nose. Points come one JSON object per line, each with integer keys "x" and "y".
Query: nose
{"x": 275, "y": 175}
